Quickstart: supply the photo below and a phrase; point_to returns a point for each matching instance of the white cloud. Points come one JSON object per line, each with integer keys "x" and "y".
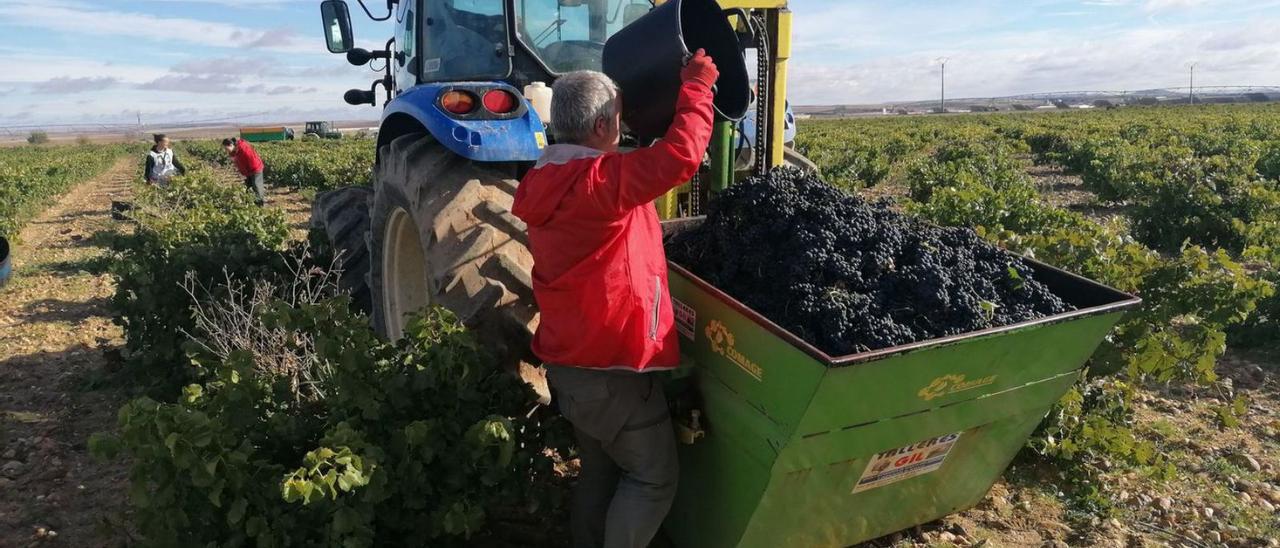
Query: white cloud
{"x": 1165, "y": 5}
{"x": 241, "y": 3}
{"x": 192, "y": 83}
{"x": 289, "y": 90}
{"x": 66, "y": 85}
{"x": 1142, "y": 58}
{"x": 29, "y": 68}
{"x": 80, "y": 20}
{"x": 225, "y": 66}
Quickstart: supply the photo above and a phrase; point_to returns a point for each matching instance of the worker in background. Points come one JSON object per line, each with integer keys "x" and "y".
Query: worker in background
{"x": 162, "y": 162}
{"x": 248, "y": 164}
{"x": 600, "y": 280}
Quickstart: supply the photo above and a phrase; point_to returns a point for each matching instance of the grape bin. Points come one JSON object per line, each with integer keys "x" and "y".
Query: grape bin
{"x": 805, "y": 449}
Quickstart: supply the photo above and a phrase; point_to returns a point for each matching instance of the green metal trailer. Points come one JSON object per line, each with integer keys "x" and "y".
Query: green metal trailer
{"x": 806, "y": 449}
{"x": 264, "y": 134}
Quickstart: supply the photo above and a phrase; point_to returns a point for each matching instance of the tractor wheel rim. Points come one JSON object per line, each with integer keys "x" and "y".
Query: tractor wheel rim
{"x": 404, "y": 267}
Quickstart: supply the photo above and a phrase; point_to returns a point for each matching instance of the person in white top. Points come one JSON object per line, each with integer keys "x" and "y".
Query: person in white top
{"x": 162, "y": 163}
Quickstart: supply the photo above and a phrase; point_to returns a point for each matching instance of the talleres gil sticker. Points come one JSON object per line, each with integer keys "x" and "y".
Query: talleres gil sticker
{"x": 906, "y": 462}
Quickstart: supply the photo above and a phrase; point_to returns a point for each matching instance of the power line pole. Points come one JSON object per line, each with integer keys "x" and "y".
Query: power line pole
{"x": 1191, "y": 90}
{"x": 942, "y": 105}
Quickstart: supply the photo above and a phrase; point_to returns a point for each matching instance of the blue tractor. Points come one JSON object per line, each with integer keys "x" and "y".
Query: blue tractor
{"x": 457, "y": 133}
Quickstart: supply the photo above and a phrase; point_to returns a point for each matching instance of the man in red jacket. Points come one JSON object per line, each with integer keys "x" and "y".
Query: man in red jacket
{"x": 600, "y": 280}
{"x": 248, "y": 164}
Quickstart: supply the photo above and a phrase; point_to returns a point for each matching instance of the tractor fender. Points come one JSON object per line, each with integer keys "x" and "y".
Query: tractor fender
{"x": 518, "y": 137}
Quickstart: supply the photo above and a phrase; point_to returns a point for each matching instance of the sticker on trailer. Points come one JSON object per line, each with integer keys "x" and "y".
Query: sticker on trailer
{"x": 686, "y": 319}
{"x": 906, "y": 462}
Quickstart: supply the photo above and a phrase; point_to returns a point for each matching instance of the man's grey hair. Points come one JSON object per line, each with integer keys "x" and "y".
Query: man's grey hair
{"x": 578, "y": 100}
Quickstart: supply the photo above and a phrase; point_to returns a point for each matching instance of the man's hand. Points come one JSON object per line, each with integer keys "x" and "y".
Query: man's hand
{"x": 700, "y": 67}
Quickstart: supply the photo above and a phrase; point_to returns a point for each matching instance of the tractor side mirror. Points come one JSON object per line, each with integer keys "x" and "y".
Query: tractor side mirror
{"x": 359, "y": 56}
{"x": 337, "y": 26}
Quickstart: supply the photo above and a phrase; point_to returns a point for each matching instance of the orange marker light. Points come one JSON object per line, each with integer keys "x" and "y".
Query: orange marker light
{"x": 458, "y": 102}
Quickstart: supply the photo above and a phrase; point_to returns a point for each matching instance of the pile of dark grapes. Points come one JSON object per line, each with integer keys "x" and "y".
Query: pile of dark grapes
{"x": 849, "y": 276}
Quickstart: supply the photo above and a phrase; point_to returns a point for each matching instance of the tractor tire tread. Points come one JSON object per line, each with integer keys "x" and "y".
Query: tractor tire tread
{"x": 477, "y": 259}
{"x": 342, "y": 215}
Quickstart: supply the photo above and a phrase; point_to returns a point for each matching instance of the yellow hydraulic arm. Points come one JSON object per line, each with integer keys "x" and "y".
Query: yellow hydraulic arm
{"x": 778, "y": 21}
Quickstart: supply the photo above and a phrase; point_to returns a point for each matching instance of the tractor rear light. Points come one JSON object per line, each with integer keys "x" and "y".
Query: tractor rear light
{"x": 458, "y": 102}
{"x": 499, "y": 101}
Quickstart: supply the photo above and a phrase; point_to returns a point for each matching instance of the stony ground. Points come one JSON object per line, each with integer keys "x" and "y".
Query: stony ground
{"x": 57, "y": 344}
{"x": 1225, "y": 491}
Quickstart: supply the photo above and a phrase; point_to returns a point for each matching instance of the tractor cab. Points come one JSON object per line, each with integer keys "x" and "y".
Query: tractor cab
{"x": 459, "y": 70}
{"x": 514, "y": 41}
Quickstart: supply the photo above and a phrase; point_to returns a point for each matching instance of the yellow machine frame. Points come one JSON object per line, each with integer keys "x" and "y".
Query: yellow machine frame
{"x": 780, "y": 40}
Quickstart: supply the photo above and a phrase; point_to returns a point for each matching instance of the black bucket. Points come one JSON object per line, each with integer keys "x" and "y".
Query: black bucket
{"x": 6, "y": 263}
{"x": 645, "y": 58}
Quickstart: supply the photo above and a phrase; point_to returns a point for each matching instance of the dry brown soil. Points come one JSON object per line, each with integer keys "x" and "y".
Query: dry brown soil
{"x": 56, "y": 346}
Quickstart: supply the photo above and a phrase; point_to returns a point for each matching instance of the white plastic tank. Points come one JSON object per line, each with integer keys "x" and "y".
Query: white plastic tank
{"x": 540, "y": 95}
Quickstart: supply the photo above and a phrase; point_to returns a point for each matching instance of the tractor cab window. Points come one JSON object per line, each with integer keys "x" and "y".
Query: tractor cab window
{"x": 570, "y": 34}
{"x": 464, "y": 40}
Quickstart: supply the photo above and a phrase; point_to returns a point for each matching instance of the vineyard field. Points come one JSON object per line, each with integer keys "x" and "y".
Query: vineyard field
{"x": 248, "y": 394}
{"x": 32, "y": 177}
{"x": 320, "y": 165}
{"x": 1153, "y": 192}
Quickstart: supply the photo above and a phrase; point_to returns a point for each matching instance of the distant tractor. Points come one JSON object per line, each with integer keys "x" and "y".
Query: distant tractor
{"x": 263, "y": 134}
{"x": 323, "y": 130}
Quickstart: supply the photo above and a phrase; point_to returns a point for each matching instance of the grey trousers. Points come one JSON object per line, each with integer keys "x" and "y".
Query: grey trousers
{"x": 254, "y": 184}
{"x": 627, "y": 450}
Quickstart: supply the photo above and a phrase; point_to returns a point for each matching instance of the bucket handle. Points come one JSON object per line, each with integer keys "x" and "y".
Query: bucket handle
{"x": 741, "y": 13}
{"x": 687, "y": 56}
{"x": 746, "y": 19}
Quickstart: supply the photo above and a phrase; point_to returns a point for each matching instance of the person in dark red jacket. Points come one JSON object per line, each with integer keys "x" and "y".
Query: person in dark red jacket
{"x": 248, "y": 164}
{"x": 600, "y": 280}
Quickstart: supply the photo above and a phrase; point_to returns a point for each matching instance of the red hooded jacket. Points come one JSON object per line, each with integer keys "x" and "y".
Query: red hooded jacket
{"x": 246, "y": 159}
{"x": 600, "y": 273}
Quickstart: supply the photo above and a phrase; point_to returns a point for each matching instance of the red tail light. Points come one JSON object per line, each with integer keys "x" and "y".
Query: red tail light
{"x": 499, "y": 101}
{"x": 458, "y": 102}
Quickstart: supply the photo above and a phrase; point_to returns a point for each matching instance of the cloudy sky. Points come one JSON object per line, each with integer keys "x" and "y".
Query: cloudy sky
{"x": 109, "y": 62}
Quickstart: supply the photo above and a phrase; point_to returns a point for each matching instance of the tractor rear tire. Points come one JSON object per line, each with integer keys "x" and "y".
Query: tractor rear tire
{"x": 342, "y": 215}
{"x": 442, "y": 233}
